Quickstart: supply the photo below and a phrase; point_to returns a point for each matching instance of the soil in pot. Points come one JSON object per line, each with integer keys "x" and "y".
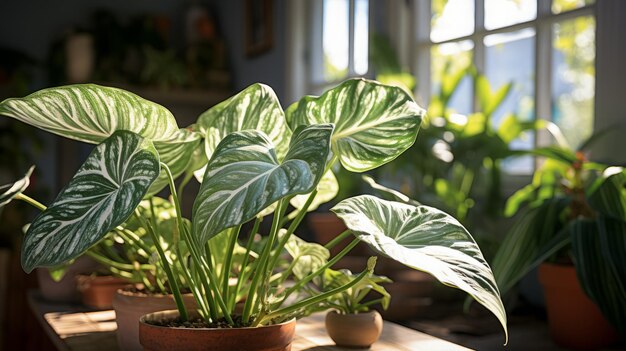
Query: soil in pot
{"x": 98, "y": 291}
{"x": 153, "y": 337}
{"x": 575, "y": 321}
{"x": 130, "y": 304}
{"x": 359, "y": 330}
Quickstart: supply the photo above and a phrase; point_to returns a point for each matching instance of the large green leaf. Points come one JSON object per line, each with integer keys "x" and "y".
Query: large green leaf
{"x": 256, "y": 107}
{"x": 177, "y": 154}
{"x": 244, "y": 176}
{"x": 599, "y": 253}
{"x": 426, "y": 239}
{"x": 91, "y": 113}
{"x": 9, "y": 191}
{"x": 607, "y": 193}
{"x": 374, "y": 123}
{"x": 103, "y": 194}
{"x": 536, "y": 234}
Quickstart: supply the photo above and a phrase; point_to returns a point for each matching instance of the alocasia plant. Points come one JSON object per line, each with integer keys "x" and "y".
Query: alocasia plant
{"x": 256, "y": 160}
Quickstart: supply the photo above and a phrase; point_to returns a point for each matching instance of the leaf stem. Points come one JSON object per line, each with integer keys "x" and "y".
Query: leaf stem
{"x": 30, "y": 201}
{"x": 338, "y": 239}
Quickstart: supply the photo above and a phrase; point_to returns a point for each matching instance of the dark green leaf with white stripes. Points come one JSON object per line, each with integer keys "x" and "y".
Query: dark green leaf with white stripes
{"x": 244, "y": 176}
{"x": 607, "y": 193}
{"x": 177, "y": 155}
{"x": 426, "y": 239}
{"x": 91, "y": 113}
{"x": 374, "y": 123}
{"x": 598, "y": 250}
{"x": 9, "y": 191}
{"x": 256, "y": 107}
{"x": 103, "y": 194}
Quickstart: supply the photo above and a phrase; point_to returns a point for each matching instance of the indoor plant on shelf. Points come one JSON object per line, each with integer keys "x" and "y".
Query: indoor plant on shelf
{"x": 574, "y": 227}
{"x": 259, "y": 161}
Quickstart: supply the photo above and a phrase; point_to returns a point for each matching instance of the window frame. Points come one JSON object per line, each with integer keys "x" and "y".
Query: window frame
{"x": 542, "y": 25}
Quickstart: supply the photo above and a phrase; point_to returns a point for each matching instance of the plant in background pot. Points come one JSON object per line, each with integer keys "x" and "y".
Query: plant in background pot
{"x": 258, "y": 160}
{"x": 350, "y": 322}
{"x": 575, "y": 222}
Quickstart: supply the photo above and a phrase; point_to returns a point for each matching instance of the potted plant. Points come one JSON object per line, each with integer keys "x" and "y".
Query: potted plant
{"x": 574, "y": 229}
{"x": 257, "y": 161}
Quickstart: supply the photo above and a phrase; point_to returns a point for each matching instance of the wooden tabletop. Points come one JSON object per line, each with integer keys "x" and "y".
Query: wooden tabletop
{"x": 76, "y": 328}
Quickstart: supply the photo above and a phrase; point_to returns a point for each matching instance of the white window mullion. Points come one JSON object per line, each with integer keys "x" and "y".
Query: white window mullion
{"x": 351, "y": 39}
{"x": 543, "y": 69}
{"x": 479, "y": 45}
{"x": 422, "y": 12}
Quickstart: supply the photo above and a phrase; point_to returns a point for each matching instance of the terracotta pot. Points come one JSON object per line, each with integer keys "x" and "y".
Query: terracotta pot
{"x": 65, "y": 289}
{"x": 267, "y": 338}
{"x": 574, "y": 320}
{"x": 98, "y": 291}
{"x": 354, "y": 330}
{"x": 130, "y": 306}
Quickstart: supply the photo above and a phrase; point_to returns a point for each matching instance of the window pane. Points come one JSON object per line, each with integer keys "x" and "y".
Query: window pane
{"x": 502, "y": 13}
{"x": 335, "y": 39}
{"x": 361, "y": 36}
{"x": 510, "y": 57}
{"x": 573, "y": 78}
{"x": 447, "y": 60}
{"x": 559, "y": 6}
{"x": 451, "y": 19}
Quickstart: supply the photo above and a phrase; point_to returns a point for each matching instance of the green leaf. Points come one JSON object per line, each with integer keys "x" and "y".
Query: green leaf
{"x": 91, "y": 113}
{"x": 103, "y": 194}
{"x": 256, "y": 107}
{"x": 244, "y": 176}
{"x": 9, "y": 191}
{"x": 535, "y": 234}
{"x": 598, "y": 253}
{"x": 607, "y": 194}
{"x": 308, "y": 257}
{"x": 374, "y": 123}
{"x": 511, "y": 127}
{"x": 327, "y": 189}
{"x": 425, "y": 239}
{"x": 178, "y": 155}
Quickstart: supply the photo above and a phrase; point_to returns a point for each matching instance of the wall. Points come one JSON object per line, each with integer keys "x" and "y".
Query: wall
{"x": 267, "y": 68}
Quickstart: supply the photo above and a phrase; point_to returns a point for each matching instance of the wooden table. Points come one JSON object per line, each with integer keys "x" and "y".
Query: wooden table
{"x": 76, "y": 328}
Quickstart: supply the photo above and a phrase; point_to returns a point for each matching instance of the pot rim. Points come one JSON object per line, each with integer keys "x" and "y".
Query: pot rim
{"x": 142, "y": 320}
{"x": 353, "y": 314}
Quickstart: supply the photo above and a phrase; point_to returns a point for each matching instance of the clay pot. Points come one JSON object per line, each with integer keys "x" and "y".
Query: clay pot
{"x": 98, "y": 291}
{"x": 359, "y": 330}
{"x": 65, "y": 289}
{"x": 575, "y": 321}
{"x": 267, "y": 338}
{"x": 130, "y": 306}
{"x": 327, "y": 226}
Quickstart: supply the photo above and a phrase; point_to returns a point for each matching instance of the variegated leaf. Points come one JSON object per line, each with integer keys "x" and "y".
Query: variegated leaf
{"x": 9, "y": 191}
{"x": 426, "y": 239}
{"x": 103, "y": 194}
{"x": 308, "y": 257}
{"x": 91, "y": 113}
{"x": 374, "y": 123}
{"x": 256, "y": 107}
{"x": 327, "y": 189}
{"x": 177, "y": 155}
{"x": 244, "y": 176}
{"x": 607, "y": 193}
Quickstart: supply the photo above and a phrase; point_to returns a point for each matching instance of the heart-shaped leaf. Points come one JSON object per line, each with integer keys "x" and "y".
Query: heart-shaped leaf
{"x": 244, "y": 176}
{"x": 374, "y": 123}
{"x": 308, "y": 257}
{"x": 9, "y": 191}
{"x": 256, "y": 107}
{"x": 103, "y": 194}
{"x": 91, "y": 113}
{"x": 327, "y": 189}
{"x": 426, "y": 239}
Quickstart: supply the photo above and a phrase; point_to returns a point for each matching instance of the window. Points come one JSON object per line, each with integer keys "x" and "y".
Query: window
{"x": 546, "y": 48}
{"x": 341, "y": 51}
